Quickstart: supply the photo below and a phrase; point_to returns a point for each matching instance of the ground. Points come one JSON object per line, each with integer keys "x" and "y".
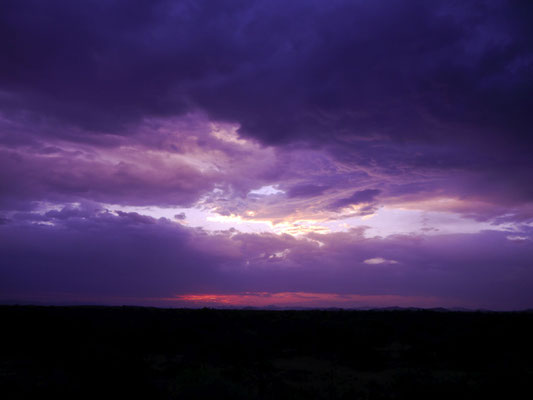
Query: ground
{"x": 134, "y": 352}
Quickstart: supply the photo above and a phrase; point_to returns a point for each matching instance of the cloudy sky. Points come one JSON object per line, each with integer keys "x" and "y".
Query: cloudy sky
{"x": 267, "y": 153}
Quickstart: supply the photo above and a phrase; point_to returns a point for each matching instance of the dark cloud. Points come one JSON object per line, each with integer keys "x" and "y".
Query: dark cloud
{"x": 402, "y": 85}
{"x": 306, "y": 190}
{"x": 136, "y": 217}
{"x": 312, "y": 71}
{"x": 180, "y": 217}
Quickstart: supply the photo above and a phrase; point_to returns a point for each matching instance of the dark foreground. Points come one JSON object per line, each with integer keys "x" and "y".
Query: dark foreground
{"x": 128, "y": 352}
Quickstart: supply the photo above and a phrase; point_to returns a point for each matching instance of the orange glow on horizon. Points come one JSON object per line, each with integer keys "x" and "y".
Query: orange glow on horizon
{"x": 304, "y": 299}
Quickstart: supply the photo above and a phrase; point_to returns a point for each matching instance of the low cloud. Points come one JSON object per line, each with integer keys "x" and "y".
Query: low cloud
{"x": 129, "y": 255}
{"x": 379, "y": 260}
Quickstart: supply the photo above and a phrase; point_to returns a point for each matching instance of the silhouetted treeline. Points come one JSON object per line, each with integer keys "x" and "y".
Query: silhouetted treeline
{"x": 132, "y": 352}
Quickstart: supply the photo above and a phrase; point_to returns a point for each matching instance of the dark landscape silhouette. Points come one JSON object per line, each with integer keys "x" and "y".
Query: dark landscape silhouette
{"x": 134, "y": 352}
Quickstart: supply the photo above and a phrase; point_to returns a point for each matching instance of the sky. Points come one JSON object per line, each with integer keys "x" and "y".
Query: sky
{"x": 267, "y": 153}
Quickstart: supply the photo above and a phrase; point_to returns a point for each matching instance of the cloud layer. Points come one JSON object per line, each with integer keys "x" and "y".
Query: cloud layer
{"x": 113, "y": 256}
{"x": 301, "y": 117}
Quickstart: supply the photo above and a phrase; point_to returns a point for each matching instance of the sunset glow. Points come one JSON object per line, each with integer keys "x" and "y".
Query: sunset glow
{"x": 305, "y": 300}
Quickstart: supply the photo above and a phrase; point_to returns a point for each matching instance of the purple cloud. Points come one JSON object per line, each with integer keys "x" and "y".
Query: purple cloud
{"x": 130, "y": 256}
{"x": 366, "y": 196}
